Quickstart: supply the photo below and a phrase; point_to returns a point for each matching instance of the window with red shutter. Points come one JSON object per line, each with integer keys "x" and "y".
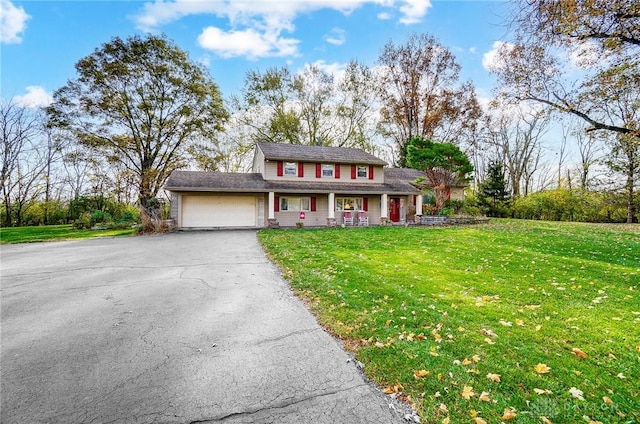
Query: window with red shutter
{"x": 318, "y": 170}
{"x": 313, "y": 204}
{"x": 353, "y": 172}
{"x": 371, "y": 172}
{"x": 280, "y": 169}
{"x": 300, "y": 169}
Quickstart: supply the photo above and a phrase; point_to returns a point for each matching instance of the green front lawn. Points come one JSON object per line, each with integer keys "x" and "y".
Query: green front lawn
{"x": 515, "y": 321}
{"x": 53, "y": 233}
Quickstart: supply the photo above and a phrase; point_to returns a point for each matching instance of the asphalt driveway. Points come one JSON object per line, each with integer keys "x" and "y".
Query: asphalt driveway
{"x": 194, "y": 327}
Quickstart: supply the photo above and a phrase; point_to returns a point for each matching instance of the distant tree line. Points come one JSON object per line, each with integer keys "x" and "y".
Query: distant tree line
{"x": 140, "y": 108}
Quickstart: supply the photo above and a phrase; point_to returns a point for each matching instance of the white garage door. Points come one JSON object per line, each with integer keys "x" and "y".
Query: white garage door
{"x": 218, "y": 211}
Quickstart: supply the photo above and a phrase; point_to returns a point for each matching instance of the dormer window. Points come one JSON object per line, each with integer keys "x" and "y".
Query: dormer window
{"x": 327, "y": 170}
{"x": 290, "y": 168}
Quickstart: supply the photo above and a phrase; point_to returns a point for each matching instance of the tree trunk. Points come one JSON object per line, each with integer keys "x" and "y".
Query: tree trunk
{"x": 631, "y": 207}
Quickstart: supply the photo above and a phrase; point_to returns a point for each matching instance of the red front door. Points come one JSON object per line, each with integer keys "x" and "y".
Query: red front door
{"x": 394, "y": 209}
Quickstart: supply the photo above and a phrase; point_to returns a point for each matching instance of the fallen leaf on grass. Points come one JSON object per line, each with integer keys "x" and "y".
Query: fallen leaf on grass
{"x": 542, "y": 391}
{"x": 467, "y": 392}
{"x": 489, "y": 333}
{"x": 545, "y": 420}
{"x": 579, "y": 353}
{"x": 576, "y": 393}
{"x": 494, "y": 377}
{"x": 446, "y": 420}
{"x": 484, "y": 397}
{"x": 621, "y": 376}
{"x": 393, "y": 389}
{"x": 479, "y": 420}
{"x": 607, "y": 400}
{"x": 379, "y": 345}
{"x": 508, "y": 414}
{"x": 420, "y": 373}
{"x": 542, "y": 369}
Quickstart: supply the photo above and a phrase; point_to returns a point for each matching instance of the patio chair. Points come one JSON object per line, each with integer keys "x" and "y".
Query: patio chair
{"x": 347, "y": 218}
{"x": 363, "y": 219}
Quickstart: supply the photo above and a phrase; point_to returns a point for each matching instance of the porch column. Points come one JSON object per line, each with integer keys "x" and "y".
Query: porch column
{"x": 419, "y": 204}
{"x": 384, "y": 206}
{"x": 331, "y": 213}
{"x": 272, "y": 214}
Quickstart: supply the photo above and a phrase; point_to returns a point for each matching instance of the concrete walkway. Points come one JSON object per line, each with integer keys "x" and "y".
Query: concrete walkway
{"x": 178, "y": 328}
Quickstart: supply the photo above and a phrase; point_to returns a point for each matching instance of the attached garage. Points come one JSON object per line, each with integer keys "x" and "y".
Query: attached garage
{"x": 223, "y": 210}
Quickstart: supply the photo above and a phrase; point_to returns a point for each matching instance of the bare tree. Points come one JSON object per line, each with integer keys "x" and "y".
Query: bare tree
{"x": 421, "y": 94}
{"x": 22, "y": 166}
{"x": 517, "y": 142}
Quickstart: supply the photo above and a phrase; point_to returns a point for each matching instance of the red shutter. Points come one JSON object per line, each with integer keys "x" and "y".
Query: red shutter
{"x": 280, "y": 169}
{"x": 365, "y": 203}
{"x": 313, "y": 204}
{"x": 276, "y": 203}
{"x": 318, "y": 170}
{"x": 353, "y": 172}
{"x": 371, "y": 172}
{"x": 300, "y": 169}
{"x": 337, "y": 171}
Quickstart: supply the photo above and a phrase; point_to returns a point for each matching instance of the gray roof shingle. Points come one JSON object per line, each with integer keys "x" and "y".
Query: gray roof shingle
{"x": 305, "y": 153}
{"x": 181, "y": 181}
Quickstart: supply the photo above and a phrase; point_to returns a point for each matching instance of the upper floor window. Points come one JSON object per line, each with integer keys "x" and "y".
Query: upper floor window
{"x": 290, "y": 168}
{"x": 327, "y": 170}
{"x": 362, "y": 171}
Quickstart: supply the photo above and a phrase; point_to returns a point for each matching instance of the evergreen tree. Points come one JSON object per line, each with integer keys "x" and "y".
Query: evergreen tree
{"x": 493, "y": 193}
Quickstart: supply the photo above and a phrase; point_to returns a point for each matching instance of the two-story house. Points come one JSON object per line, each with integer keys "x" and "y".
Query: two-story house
{"x": 316, "y": 185}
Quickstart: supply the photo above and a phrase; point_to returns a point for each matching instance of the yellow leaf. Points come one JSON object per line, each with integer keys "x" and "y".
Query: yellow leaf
{"x": 508, "y": 414}
{"x": 393, "y": 389}
{"x": 520, "y": 322}
{"x": 467, "y": 392}
{"x": 387, "y": 322}
{"x": 462, "y": 330}
{"x": 466, "y": 362}
{"x": 595, "y": 422}
{"x": 545, "y": 420}
{"x": 476, "y": 358}
{"x": 446, "y": 420}
{"x": 579, "y": 353}
{"x": 484, "y": 397}
{"x": 543, "y": 391}
{"x": 479, "y": 420}
{"x": 542, "y": 368}
{"x": 487, "y": 340}
{"x": 379, "y": 345}
{"x": 607, "y": 400}
{"x": 420, "y": 373}
{"x": 538, "y": 327}
{"x": 494, "y": 377}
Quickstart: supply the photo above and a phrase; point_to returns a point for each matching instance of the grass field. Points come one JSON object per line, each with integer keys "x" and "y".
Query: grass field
{"x": 53, "y": 233}
{"x": 519, "y": 321}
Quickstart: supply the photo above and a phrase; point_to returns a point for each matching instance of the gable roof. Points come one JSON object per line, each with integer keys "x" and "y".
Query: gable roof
{"x": 305, "y": 153}
{"x": 201, "y": 181}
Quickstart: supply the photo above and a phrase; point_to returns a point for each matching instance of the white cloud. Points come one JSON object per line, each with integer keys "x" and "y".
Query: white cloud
{"x": 384, "y": 16}
{"x": 262, "y": 22}
{"x": 473, "y": 50}
{"x": 250, "y": 43}
{"x": 492, "y": 60}
{"x": 585, "y": 54}
{"x": 13, "y": 21}
{"x": 36, "y": 97}
{"x": 336, "y": 69}
{"x": 414, "y": 10}
{"x": 336, "y": 37}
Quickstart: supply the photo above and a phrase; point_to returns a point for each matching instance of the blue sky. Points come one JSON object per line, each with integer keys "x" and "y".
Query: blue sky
{"x": 40, "y": 41}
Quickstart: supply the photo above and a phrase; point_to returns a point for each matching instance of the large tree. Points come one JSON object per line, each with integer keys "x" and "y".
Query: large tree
{"x": 443, "y": 163}
{"x": 141, "y": 103}
{"x": 422, "y": 95}
{"x": 552, "y": 37}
